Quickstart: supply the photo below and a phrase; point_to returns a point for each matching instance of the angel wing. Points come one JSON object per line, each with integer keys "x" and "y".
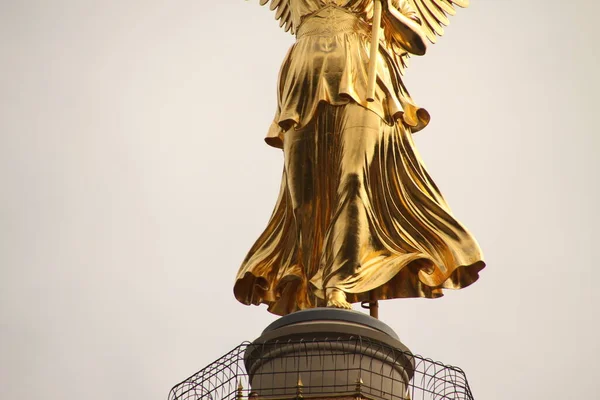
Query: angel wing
{"x": 282, "y": 13}
{"x": 433, "y": 14}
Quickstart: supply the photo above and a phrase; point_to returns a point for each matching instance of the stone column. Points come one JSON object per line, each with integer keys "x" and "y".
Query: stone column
{"x": 327, "y": 353}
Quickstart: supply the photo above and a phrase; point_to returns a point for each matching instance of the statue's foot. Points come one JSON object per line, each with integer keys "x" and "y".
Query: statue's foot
{"x": 337, "y": 298}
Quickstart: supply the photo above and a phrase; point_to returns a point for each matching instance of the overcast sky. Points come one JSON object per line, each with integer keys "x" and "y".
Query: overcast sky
{"x": 134, "y": 178}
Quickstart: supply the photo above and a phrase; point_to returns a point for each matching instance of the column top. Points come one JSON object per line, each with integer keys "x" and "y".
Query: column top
{"x": 331, "y": 314}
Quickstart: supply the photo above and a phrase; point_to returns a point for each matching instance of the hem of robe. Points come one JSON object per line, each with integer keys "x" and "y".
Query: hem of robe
{"x": 414, "y": 276}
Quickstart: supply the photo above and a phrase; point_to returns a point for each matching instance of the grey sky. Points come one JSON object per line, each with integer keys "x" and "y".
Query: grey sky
{"x": 134, "y": 179}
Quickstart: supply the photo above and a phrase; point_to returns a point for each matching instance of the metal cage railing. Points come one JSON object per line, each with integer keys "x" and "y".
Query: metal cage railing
{"x": 228, "y": 378}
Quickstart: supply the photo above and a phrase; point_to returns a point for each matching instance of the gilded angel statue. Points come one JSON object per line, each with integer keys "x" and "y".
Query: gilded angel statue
{"x": 358, "y": 218}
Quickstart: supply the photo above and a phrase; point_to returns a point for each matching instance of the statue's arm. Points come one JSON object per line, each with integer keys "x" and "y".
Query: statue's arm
{"x": 405, "y": 26}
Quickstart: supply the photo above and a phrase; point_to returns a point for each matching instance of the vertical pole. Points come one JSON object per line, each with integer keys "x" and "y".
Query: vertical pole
{"x": 373, "y": 305}
{"x": 375, "y": 33}
{"x": 375, "y": 30}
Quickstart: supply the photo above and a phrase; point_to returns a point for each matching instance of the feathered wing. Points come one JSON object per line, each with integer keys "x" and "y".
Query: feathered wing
{"x": 433, "y": 14}
{"x": 282, "y": 13}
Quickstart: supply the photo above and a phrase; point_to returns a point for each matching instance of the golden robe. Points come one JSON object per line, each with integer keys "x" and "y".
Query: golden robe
{"x": 356, "y": 211}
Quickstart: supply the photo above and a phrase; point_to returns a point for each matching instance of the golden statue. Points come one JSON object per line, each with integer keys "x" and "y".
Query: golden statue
{"x": 358, "y": 218}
